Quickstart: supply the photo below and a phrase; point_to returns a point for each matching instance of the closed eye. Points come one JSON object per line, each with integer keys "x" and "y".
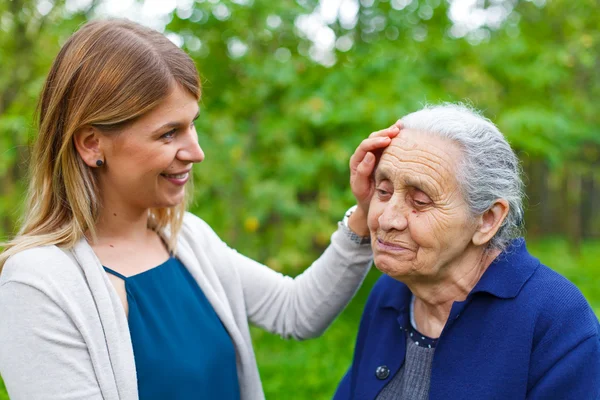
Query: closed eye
{"x": 381, "y": 193}
{"x": 421, "y": 202}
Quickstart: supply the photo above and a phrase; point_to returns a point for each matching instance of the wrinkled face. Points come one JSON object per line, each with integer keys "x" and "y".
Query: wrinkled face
{"x": 420, "y": 224}
{"x": 148, "y": 163}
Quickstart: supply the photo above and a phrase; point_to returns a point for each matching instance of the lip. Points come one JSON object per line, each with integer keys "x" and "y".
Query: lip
{"x": 390, "y": 247}
{"x": 178, "y": 181}
{"x": 185, "y": 171}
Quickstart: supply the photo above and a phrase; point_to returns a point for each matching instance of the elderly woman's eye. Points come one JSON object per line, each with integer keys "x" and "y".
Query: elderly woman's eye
{"x": 420, "y": 199}
{"x": 382, "y": 192}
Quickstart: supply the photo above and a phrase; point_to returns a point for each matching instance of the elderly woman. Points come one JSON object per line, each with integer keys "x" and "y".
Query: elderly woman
{"x": 463, "y": 310}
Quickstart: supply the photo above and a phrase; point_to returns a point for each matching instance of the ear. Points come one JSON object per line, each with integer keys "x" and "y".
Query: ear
{"x": 490, "y": 221}
{"x": 87, "y": 141}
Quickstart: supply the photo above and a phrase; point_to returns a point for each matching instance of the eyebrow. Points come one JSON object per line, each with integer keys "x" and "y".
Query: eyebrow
{"x": 418, "y": 184}
{"x": 383, "y": 174}
{"x": 174, "y": 124}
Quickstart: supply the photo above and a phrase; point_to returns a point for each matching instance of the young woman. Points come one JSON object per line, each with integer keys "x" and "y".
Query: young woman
{"x": 111, "y": 290}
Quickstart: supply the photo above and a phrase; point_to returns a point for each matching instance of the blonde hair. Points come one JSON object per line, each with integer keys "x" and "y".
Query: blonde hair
{"x": 108, "y": 74}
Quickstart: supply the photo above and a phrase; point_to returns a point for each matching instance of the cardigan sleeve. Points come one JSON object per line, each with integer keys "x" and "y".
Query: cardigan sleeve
{"x": 304, "y": 306}
{"x": 43, "y": 355}
{"x": 575, "y": 375}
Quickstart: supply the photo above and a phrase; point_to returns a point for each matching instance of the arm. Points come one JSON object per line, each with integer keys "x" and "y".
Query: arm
{"x": 574, "y": 374}
{"x": 42, "y": 353}
{"x": 565, "y": 358}
{"x": 303, "y": 307}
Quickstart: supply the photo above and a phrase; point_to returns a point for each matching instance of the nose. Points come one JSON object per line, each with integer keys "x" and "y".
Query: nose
{"x": 394, "y": 215}
{"x": 190, "y": 150}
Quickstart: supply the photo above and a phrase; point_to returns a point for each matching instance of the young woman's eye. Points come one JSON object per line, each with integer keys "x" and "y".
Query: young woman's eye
{"x": 169, "y": 135}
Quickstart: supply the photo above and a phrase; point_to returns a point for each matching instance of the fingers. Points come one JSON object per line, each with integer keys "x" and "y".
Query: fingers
{"x": 391, "y": 132}
{"x": 370, "y": 144}
{"x": 361, "y": 182}
{"x": 375, "y": 143}
{"x": 365, "y": 168}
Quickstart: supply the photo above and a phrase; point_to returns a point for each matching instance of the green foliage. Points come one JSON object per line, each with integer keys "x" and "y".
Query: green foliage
{"x": 29, "y": 41}
{"x": 3, "y": 393}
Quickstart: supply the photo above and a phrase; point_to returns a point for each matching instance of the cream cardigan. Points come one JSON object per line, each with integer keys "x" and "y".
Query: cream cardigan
{"x": 64, "y": 333}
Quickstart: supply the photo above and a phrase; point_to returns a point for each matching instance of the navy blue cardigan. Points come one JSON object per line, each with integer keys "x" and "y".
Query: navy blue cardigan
{"x": 524, "y": 331}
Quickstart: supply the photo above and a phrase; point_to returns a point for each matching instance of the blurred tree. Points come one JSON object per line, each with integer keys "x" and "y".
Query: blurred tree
{"x": 31, "y": 32}
{"x": 282, "y": 126}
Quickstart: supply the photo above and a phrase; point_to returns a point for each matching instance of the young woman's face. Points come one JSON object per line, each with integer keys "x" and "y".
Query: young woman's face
{"x": 148, "y": 163}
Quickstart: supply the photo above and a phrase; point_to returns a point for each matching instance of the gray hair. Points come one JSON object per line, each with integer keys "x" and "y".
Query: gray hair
{"x": 490, "y": 169}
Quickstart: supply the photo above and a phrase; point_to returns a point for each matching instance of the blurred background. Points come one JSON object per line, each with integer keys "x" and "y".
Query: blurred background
{"x": 291, "y": 87}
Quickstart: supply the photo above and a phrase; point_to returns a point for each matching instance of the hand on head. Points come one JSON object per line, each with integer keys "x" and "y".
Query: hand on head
{"x": 364, "y": 160}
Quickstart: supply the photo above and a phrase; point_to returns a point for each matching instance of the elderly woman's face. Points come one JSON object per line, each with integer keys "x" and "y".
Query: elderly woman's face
{"x": 419, "y": 221}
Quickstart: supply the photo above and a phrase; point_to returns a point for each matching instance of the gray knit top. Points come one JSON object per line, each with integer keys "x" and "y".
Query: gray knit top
{"x": 412, "y": 380}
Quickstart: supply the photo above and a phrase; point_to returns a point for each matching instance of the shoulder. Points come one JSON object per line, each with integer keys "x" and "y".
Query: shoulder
{"x": 198, "y": 237}
{"x": 556, "y": 298}
{"x": 195, "y": 228}
{"x": 555, "y": 285}
{"x": 192, "y": 221}
{"x": 564, "y": 325}
{"x": 43, "y": 262}
{"x": 538, "y": 295}
{"x": 41, "y": 268}
{"x": 562, "y": 316}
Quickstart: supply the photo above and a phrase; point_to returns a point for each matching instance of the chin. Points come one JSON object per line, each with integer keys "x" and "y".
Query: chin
{"x": 391, "y": 267}
{"x": 173, "y": 199}
{"x": 168, "y": 203}
{"x": 172, "y": 204}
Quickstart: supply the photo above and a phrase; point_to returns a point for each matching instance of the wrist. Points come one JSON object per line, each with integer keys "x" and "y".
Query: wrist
{"x": 355, "y": 222}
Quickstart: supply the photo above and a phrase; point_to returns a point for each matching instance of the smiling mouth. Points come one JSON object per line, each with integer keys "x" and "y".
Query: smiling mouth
{"x": 176, "y": 176}
{"x": 391, "y": 247}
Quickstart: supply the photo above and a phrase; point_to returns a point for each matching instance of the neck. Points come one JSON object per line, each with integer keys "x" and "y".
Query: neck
{"x": 434, "y": 297}
{"x": 119, "y": 223}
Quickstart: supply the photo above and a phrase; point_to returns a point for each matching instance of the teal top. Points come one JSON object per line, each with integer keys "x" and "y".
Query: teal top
{"x": 181, "y": 348}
